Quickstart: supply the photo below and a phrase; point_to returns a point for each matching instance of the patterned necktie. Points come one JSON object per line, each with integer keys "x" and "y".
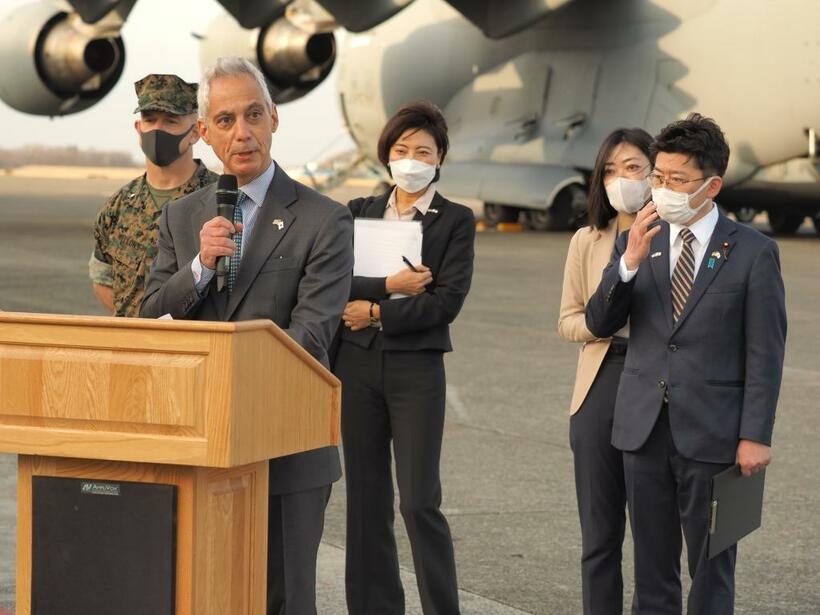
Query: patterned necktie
{"x": 233, "y": 270}
{"x": 684, "y": 276}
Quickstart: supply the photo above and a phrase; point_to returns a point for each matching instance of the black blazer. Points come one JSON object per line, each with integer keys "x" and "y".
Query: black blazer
{"x": 720, "y": 364}
{"x": 421, "y": 322}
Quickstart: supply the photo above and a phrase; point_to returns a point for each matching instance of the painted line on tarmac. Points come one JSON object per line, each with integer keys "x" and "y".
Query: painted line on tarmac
{"x": 455, "y": 404}
{"x": 801, "y": 375}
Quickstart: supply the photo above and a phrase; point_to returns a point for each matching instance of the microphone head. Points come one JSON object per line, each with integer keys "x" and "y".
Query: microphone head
{"x": 226, "y": 182}
{"x": 226, "y": 190}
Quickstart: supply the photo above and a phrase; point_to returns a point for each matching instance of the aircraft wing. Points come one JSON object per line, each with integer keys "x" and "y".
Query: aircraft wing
{"x": 91, "y": 11}
{"x": 501, "y": 18}
{"x": 495, "y": 18}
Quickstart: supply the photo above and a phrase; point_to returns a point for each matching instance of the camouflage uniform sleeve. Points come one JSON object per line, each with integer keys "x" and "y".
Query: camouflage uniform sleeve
{"x": 99, "y": 265}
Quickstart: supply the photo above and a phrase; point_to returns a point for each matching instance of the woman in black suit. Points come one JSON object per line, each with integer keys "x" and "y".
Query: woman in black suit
{"x": 390, "y": 362}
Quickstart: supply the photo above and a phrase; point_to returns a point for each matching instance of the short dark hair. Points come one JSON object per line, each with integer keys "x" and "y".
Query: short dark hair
{"x": 418, "y": 115}
{"x": 599, "y": 210}
{"x": 698, "y": 137}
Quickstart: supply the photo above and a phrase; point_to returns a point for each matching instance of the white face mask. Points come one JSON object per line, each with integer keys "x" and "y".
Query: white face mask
{"x": 412, "y": 175}
{"x": 628, "y": 195}
{"x": 674, "y": 206}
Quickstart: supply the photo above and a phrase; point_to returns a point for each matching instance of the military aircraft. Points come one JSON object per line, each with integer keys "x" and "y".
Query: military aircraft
{"x": 529, "y": 87}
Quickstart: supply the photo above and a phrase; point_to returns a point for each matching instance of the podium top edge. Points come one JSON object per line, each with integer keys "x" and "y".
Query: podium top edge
{"x": 133, "y": 323}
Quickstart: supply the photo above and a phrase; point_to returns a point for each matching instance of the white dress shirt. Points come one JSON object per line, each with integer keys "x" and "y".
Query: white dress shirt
{"x": 421, "y": 205}
{"x": 255, "y": 193}
{"x": 702, "y": 230}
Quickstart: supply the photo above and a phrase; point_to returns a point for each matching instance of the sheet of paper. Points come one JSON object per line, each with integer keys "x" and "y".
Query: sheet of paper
{"x": 378, "y": 246}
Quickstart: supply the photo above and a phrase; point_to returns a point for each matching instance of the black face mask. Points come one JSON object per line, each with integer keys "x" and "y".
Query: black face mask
{"x": 162, "y": 148}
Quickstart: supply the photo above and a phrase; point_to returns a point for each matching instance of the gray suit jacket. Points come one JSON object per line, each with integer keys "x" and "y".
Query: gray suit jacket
{"x": 298, "y": 277}
{"x": 720, "y": 365}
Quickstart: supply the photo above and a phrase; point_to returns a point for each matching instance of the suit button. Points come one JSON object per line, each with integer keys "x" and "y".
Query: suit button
{"x": 673, "y": 347}
{"x": 661, "y": 384}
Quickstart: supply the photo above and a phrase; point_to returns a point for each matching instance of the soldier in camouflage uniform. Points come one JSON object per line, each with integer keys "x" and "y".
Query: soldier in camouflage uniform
{"x": 126, "y": 231}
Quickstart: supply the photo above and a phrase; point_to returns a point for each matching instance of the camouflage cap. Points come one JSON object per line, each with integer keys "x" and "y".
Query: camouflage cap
{"x": 166, "y": 93}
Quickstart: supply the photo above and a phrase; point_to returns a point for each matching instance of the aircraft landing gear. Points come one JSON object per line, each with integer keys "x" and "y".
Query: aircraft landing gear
{"x": 784, "y": 223}
{"x": 745, "y": 214}
{"x": 495, "y": 213}
{"x": 565, "y": 214}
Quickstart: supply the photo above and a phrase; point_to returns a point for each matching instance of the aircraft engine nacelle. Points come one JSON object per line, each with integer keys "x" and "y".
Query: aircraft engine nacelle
{"x": 51, "y": 63}
{"x": 294, "y": 57}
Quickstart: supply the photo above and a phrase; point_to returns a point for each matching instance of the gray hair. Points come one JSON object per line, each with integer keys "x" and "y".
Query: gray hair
{"x": 230, "y": 67}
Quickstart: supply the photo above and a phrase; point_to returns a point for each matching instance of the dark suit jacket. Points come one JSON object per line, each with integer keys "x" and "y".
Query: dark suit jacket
{"x": 721, "y": 363}
{"x": 421, "y": 322}
{"x": 298, "y": 277}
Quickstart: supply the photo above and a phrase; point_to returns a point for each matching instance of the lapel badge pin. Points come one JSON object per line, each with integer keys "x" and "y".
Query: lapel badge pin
{"x": 433, "y": 211}
{"x": 656, "y": 254}
{"x": 715, "y": 254}
{"x": 712, "y": 261}
{"x": 279, "y": 223}
{"x": 725, "y": 250}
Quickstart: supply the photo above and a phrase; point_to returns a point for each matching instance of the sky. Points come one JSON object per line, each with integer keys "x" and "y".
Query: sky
{"x": 158, "y": 39}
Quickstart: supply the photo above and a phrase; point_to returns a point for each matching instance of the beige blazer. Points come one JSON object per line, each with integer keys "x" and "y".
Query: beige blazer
{"x": 589, "y": 253}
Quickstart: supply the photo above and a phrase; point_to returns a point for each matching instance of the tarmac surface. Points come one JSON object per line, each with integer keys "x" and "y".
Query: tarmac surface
{"x": 507, "y": 468}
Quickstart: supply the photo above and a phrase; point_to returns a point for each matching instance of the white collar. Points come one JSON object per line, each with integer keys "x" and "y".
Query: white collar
{"x": 702, "y": 229}
{"x": 258, "y": 188}
{"x": 422, "y": 204}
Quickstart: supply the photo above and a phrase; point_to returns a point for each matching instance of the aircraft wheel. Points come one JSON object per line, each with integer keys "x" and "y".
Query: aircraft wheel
{"x": 745, "y": 214}
{"x": 565, "y": 214}
{"x": 784, "y": 223}
{"x": 495, "y": 213}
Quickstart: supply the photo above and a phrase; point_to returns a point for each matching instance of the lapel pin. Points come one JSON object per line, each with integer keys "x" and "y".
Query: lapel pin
{"x": 278, "y": 223}
{"x": 726, "y": 250}
{"x": 433, "y": 211}
{"x": 656, "y": 254}
{"x": 712, "y": 261}
{"x": 715, "y": 254}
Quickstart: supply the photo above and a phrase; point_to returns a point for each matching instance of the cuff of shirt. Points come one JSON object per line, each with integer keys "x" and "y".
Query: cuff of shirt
{"x": 202, "y": 275}
{"x": 100, "y": 272}
{"x": 626, "y": 275}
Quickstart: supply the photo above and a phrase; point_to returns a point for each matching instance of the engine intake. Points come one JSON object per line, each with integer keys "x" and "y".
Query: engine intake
{"x": 53, "y": 63}
{"x": 294, "y": 58}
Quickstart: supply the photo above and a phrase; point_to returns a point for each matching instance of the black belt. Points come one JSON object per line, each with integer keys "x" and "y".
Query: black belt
{"x": 618, "y": 346}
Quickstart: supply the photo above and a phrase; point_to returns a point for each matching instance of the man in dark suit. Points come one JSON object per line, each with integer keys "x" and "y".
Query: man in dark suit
{"x": 291, "y": 261}
{"x": 704, "y": 300}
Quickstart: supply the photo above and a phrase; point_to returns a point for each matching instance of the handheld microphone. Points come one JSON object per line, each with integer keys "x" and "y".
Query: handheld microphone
{"x": 226, "y": 197}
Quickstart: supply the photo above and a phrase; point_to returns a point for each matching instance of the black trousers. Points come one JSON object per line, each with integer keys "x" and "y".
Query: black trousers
{"x": 396, "y": 396}
{"x": 601, "y": 493}
{"x": 295, "y": 525}
{"x": 667, "y": 492}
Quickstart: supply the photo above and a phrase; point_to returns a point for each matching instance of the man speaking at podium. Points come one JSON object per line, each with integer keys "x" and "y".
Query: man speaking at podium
{"x": 290, "y": 255}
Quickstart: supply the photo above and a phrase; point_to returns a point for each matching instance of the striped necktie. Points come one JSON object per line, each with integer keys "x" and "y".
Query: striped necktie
{"x": 684, "y": 276}
{"x": 233, "y": 270}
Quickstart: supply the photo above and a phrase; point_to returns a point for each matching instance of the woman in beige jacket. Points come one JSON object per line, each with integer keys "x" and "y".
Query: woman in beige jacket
{"x": 619, "y": 187}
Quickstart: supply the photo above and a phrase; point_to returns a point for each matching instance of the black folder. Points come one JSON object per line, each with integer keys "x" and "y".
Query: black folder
{"x": 736, "y": 508}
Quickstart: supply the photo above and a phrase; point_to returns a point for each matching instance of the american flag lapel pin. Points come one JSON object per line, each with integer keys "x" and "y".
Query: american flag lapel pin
{"x": 656, "y": 254}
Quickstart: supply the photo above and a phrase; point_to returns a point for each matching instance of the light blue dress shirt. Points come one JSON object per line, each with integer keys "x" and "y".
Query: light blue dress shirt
{"x": 251, "y": 206}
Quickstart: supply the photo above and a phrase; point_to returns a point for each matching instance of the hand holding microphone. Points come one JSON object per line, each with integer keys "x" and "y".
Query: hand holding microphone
{"x": 216, "y": 245}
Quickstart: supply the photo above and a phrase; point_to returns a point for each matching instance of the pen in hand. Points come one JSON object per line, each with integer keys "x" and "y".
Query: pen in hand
{"x": 409, "y": 264}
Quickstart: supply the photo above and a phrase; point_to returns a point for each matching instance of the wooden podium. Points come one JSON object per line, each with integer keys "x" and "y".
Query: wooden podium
{"x": 198, "y": 405}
